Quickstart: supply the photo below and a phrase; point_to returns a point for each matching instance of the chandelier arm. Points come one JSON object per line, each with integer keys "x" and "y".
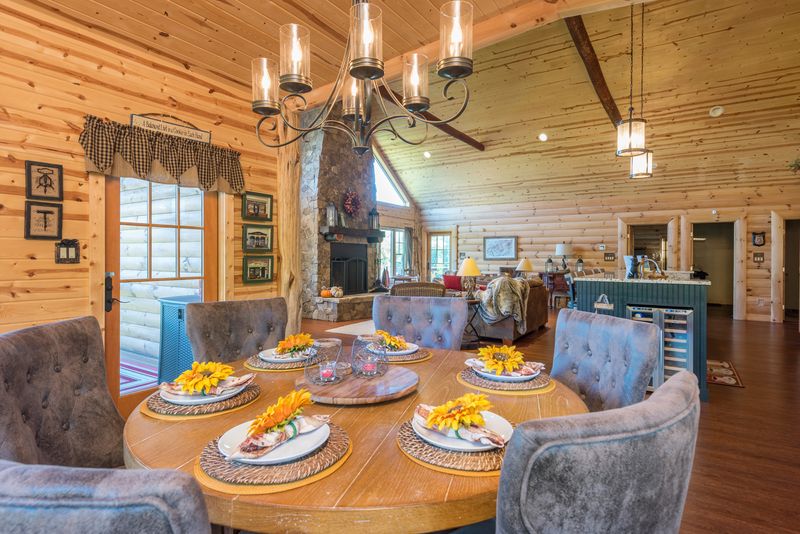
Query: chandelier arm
{"x": 410, "y": 118}
{"x": 274, "y": 127}
{"x": 336, "y": 125}
{"x": 396, "y": 135}
{"x": 445, "y": 93}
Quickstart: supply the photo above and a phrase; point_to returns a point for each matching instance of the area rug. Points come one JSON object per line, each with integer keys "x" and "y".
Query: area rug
{"x": 363, "y": 328}
{"x": 723, "y": 373}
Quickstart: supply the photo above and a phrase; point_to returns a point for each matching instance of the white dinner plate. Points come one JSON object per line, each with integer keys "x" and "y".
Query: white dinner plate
{"x": 270, "y": 356}
{"x": 412, "y": 348}
{"x": 196, "y": 400}
{"x": 285, "y": 452}
{"x": 505, "y": 378}
{"x": 493, "y": 422}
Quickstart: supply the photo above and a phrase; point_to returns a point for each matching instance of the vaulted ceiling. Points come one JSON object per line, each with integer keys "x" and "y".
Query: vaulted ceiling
{"x": 741, "y": 54}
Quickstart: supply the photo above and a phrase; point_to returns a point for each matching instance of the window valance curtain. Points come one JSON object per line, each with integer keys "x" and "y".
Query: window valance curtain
{"x": 117, "y": 149}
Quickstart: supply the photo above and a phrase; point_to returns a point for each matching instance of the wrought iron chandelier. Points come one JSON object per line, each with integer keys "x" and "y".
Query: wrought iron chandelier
{"x": 360, "y": 82}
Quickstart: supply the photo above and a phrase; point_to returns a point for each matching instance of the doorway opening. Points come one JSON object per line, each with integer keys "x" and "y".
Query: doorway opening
{"x": 714, "y": 259}
{"x": 791, "y": 285}
{"x": 650, "y": 240}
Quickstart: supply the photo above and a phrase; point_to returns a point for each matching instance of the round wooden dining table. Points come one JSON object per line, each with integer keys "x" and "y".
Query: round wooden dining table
{"x": 378, "y": 489}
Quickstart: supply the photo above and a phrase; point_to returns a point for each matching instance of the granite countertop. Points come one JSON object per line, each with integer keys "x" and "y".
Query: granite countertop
{"x": 644, "y": 281}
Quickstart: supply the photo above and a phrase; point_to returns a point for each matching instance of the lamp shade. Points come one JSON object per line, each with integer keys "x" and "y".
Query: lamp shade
{"x": 525, "y": 266}
{"x": 563, "y": 249}
{"x": 468, "y": 268}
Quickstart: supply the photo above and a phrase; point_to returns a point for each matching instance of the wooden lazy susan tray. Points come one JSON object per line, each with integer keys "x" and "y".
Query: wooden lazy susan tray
{"x": 397, "y": 382}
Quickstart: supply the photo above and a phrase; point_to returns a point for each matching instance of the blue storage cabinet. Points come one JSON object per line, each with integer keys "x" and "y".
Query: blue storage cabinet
{"x": 175, "y": 355}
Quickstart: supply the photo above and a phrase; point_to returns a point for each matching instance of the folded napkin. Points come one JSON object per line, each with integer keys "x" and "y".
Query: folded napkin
{"x": 258, "y": 445}
{"x": 474, "y": 433}
{"x": 527, "y": 368}
{"x": 224, "y": 386}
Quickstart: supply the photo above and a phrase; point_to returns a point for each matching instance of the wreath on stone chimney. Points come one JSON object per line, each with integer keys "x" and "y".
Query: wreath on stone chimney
{"x": 352, "y": 203}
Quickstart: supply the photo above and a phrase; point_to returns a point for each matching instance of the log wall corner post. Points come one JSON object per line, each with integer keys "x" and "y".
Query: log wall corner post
{"x": 777, "y": 275}
{"x": 740, "y": 268}
{"x": 289, "y": 281}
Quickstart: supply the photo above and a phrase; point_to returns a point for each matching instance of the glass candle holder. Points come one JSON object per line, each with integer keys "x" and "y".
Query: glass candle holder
{"x": 369, "y": 357}
{"x": 295, "y": 58}
{"x": 366, "y": 42}
{"x": 323, "y": 367}
{"x": 416, "y": 97}
{"x": 455, "y": 40}
{"x": 265, "y": 86}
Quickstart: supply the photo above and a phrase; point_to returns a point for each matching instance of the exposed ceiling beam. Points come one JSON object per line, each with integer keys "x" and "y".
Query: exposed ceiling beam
{"x": 446, "y": 128}
{"x": 585, "y": 49}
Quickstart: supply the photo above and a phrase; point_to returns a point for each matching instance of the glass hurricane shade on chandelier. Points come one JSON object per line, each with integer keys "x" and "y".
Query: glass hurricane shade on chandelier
{"x": 360, "y": 82}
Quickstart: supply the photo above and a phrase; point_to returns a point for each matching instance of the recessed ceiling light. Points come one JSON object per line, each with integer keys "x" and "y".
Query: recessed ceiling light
{"x": 716, "y": 111}
{"x": 426, "y": 154}
{"x": 543, "y": 137}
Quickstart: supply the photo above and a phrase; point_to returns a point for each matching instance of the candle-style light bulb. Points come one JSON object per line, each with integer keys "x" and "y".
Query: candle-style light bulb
{"x": 456, "y": 38}
{"x": 414, "y": 78}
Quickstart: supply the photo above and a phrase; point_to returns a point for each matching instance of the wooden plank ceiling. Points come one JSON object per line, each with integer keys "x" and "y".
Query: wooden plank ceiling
{"x": 221, "y": 37}
{"x": 741, "y": 54}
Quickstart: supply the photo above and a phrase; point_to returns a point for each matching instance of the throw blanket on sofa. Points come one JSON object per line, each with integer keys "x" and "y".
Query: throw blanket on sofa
{"x": 505, "y": 297}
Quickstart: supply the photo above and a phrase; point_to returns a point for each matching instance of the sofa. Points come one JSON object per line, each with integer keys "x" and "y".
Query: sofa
{"x": 535, "y": 317}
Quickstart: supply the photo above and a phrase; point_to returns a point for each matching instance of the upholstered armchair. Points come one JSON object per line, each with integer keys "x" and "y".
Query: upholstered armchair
{"x": 235, "y": 329}
{"x": 606, "y": 360}
{"x": 55, "y": 407}
{"x": 418, "y": 289}
{"x": 621, "y": 470}
{"x": 46, "y": 498}
{"x": 432, "y": 322}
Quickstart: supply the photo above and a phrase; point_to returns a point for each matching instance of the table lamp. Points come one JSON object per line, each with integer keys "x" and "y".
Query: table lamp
{"x": 524, "y": 266}
{"x": 468, "y": 271}
{"x": 563, "y": 250}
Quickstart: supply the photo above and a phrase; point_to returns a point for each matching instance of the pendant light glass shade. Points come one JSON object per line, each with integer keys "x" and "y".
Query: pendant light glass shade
{"x": 642, "y": 165}
{"x": 265, "y": 86}
{"x": 415, "y": 83}
{"x": 351, "y": 98}
{"x": 455, "y": 40}
{"x": 295, "y": 58}
{"x": 366, "y": 40}
{"x": 631, "y": 137}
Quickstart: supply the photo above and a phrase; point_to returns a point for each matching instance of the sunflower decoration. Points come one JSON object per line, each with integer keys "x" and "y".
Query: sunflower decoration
{"x": 203, "y": 376}
{"x": 461, "y": 412}
{"x": 280, "y": 414}
{"x": 391, "y": 342}
{"x": 295, "y": 343}
{"x": 501, "y": 359}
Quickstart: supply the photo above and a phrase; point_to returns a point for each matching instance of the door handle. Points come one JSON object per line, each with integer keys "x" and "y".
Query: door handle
{"x": 109, "y": 293}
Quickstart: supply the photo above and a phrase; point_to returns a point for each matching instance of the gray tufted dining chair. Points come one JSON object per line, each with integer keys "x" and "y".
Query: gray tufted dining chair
{"x": 55, "y": 407}
{"x": 235, "y": 329}
{"x": 621, "y": 470}
{"x": 45, "y": 499}
{"x": 431, "y": 322}
{"x": 606, "y": 360}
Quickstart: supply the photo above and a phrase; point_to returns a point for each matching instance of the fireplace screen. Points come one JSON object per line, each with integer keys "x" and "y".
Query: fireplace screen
{"x": 349, "y": 267}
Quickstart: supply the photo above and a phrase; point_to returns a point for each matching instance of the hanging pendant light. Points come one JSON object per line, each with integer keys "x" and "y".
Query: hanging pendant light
{"x": 631, "y": 131}
{"x": 642, "y": 165}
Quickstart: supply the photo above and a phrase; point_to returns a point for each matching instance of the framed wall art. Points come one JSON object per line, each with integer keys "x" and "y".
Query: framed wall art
{"x": 43, "y": 220}
{"x": 257, "y": 269}
{"x": 499, "y": 248}
{"x": 44, "y": 181}
{"x": 256, "y": 238}
{"x": 256, "y": 206}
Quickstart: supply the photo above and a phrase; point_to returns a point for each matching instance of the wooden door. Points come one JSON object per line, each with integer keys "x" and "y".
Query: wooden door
{"x": 161, "y": 241}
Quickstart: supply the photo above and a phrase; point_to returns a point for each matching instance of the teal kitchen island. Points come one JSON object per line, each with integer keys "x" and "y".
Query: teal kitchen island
{"x": 678, "y": 307}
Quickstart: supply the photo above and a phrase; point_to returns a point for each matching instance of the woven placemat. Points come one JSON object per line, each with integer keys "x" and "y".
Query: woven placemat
{"x": 156, "y": 406}
{"x": 254, "y": 363}
{"x": 484, "y": 463}
{"x": 416, "y": 357}
{"x": 541, "y": 384}
{"x": 237, "y": 477}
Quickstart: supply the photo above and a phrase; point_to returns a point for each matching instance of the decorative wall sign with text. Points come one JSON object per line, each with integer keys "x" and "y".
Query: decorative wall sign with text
{"x": 43, "y": 220}
{"x": 44, "y": 181}
{"x": 155, "y": 124}
{"x": 759, "y": 239}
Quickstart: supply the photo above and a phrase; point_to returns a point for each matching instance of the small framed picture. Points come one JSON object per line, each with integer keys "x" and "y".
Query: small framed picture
{"x": 257, "y": 269}
{"x": 499, "y": 248}
{"x": 43, "y": 220}
{"x": 256, "y": 207}
{"x": 44, "y": 181}
{"x": 256, "y": 238}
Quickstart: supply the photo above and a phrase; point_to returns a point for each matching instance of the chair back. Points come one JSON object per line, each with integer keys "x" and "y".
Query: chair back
{"x": 235, "y": 329}
{"x": 55, "y": 407}
{"x": 622, "y": 470}
{"x": 418, "y": 289}
{"x": 432, "y": 322}
{"x": 48, "y": 498}
{"x": 606, "y": 360}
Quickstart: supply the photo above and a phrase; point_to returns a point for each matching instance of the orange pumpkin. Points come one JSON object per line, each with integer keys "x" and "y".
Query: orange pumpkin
{"x": 325, "y": 293}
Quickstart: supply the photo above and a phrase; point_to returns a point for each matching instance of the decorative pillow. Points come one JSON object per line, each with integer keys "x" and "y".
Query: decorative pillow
{"x": 452, "y": 282}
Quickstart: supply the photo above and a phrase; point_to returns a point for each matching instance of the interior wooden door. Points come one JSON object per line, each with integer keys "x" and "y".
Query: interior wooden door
{"x": 161, "y": 241}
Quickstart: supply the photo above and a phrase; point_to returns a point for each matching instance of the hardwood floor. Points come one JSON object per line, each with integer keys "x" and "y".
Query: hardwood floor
{"x": 746, "y": 475}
